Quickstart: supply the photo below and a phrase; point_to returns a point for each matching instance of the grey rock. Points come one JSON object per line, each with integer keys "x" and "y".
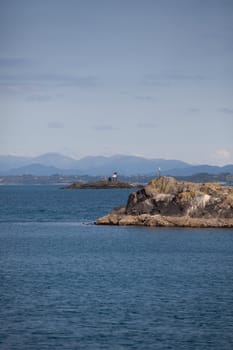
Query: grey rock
{"x": 168, "y": 202}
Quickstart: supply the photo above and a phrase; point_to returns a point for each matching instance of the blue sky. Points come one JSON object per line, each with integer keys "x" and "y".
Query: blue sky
{"x": 151, "y": 78}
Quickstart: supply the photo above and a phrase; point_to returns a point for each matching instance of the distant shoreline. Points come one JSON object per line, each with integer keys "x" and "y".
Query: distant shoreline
{"x": 66, "y": 180}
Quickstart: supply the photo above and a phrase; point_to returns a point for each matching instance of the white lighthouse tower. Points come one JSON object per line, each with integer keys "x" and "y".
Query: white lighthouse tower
{"x": 158, "y": 171}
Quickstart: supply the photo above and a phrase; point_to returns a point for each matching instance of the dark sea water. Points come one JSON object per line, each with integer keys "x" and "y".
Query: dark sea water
{"x": 68, "y": 284}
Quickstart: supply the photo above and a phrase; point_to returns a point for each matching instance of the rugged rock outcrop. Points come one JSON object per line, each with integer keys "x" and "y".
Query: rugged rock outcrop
{"x": 168, "y": 202}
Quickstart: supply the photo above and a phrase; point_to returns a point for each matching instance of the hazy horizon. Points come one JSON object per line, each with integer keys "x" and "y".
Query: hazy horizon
{"x": 145, "y": 78}
{"x": 107, "y": 156}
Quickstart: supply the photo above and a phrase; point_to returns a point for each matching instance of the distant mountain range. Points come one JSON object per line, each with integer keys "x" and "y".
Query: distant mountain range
{"x": 55, "y": 163}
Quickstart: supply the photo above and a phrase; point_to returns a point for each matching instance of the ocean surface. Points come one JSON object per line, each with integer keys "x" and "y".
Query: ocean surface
{"x": 66, "y": 283}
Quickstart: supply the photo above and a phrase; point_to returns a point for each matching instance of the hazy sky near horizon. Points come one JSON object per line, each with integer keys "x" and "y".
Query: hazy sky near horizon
{"x": 101, "y": 77}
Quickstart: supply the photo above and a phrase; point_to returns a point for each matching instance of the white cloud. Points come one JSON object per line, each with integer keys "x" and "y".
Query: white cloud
{"x": 147, "y": 125}
{"x": 193, "y": 110}
{"x": 143, "y": 98}
{"x": 222, "y": 156}
{"x": 227, "y": 110}
{"x": 55, "y": 125}
{"x": 104, "y": 127}
{"x": 39, "y": 98}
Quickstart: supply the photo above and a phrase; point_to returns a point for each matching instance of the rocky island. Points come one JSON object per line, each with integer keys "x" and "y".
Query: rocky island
{"x": 101, "y": 184}
{"x": 168, "y": 202}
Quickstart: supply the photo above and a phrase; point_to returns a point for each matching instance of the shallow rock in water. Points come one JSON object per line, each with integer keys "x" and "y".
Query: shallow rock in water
{"x": 101, "y": 184}
{"x": 168, "y": 202}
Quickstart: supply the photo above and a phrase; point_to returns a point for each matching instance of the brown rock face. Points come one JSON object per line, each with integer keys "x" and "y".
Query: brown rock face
{"x": 167, "y": 202}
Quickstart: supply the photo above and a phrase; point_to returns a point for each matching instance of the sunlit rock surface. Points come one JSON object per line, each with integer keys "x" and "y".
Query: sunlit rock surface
{"x": 168, "y": 202}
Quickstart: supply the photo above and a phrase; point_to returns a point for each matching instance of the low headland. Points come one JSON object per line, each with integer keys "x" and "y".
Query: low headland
{"x": 168, "y": 202}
